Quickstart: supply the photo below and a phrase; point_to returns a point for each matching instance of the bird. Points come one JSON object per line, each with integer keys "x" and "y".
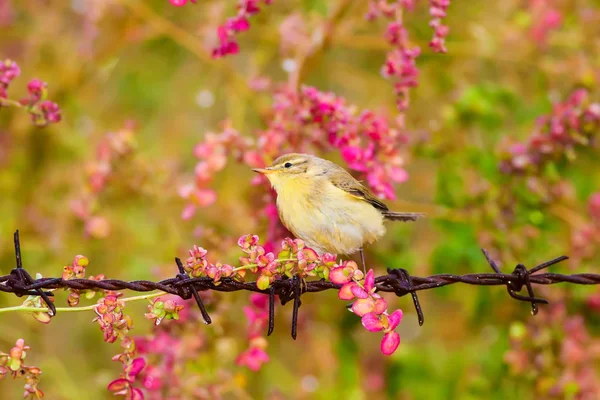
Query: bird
{"x": 324, "y": 205}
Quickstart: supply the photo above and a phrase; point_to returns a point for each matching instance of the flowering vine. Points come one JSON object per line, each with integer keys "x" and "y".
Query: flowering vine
{"x": 295, "y": 259}
{"x": 573, "y": 123}
{"x": 226, "y": 33}
{"x": 400, "y": 65}
{"x": 368, "y": 305}
{"x": 42, "y": 111}
{"x": 13, "y": 364}
{"x": 257, "y": 316}
{"x": 111, "y": 152}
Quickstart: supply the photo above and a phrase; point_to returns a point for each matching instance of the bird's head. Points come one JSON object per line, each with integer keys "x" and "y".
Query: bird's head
{"x": 293, "y": 167}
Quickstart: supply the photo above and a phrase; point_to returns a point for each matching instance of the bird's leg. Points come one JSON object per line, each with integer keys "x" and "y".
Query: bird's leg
{"x": 362, "y": 258}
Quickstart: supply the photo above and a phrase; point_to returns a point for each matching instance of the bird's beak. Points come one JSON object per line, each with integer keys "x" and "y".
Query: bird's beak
{"x": 264, "y": 171}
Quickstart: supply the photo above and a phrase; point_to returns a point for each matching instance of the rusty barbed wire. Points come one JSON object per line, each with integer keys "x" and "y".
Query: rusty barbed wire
{"x": 397, "y": 281}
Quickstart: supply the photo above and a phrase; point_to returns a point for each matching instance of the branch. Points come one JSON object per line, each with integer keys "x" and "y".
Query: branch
{"x": 397, "y": 281}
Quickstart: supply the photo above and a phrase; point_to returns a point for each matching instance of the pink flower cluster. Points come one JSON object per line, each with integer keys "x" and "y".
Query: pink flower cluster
{"x": 161, "y": 309}
{"x": 226, "y": 33}
{"x": 112, "y": 150}
{"x": 124, "y": 386}
{"x": 212, "y": 153}
{"x": 294, "y": 258}
{"x": 545, "y": 19}
{"x": 181, "y": 3}
{"x": 9, "y": 70}
{"x": 110, "y": 317}
{"x": 370, "y": 306}
{"x": 42, "y": 111}
{"x": 311, "y": 118}
{"x": 585, "y": 240}
{"x": 437, "y": 10}
{"x": 116, "y": 325}
{"x": 76, "y": 270}
{"x": 400, "y": 65}
{"x": 13, "y": 363}
{"x": 197, "y": 265}
{"x": 257, "y": 315}
{"x": 555, "y": 341}
{"x": 572, "y": 123}
{"x": 163, "y": 350}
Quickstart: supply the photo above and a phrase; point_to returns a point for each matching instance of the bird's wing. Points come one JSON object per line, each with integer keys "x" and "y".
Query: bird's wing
{"x": 341, "y": 179}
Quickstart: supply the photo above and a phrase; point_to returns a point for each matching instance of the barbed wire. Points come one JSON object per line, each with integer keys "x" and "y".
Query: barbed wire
{"x": 397, "y": 281}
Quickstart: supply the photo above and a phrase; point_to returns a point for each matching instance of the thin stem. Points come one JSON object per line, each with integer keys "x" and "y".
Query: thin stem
{"x": 250, "y": 266}
{"x": 76, "y": 309}
{"x": 8, "y": 102}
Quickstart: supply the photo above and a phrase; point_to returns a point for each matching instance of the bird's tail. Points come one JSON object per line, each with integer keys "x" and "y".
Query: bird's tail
{"x": 402, "y": 216}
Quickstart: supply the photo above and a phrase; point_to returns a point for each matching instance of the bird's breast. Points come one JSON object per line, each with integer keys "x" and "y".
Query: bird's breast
{"x": 327, "y": 218}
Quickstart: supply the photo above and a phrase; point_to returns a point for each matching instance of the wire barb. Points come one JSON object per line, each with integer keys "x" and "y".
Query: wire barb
{"x": 192, "y": 288}
{"x": 296, "y": 288}
{"x": 26, "y": 279}
{"x": 271, "y": 310}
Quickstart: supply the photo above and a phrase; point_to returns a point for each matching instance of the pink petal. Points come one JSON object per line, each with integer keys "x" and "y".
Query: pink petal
{"x": 338, "y": 275}
{"x": 362, "y": 307}
{"x": 390, "y": 343}
{"x": 380, "y": 306}
{"x": 345, "y": 292}
{"x": 137, "y": 366}
{"x": 310, "y": 254}
{"x": 395, "y": 319}
{"x": 118, "y": 384}
{"x": 136, "y": 394}
{"x": 369, "y": 280}
{"x": 259, "y": 300}
{"x": 188, "y": 212}
{"x": 359, "y": 292}
{"x": 205, "y": 197}
{"x": 178, "y": 3}
{"x": 371, "y": 322}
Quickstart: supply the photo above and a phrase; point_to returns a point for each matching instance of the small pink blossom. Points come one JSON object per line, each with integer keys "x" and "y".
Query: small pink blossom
{"x": 253, "y": 358}
{"x": 345, "y": 292}
{"x": 363, "y": 306}
{"x": 180, "y": 3}
{"x": 390, "y": 343}
{"x": 394, "y": 319}
{"x": 372, "y": 322}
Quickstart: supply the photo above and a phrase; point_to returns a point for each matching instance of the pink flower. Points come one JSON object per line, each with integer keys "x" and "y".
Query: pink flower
{"x": 390, "y": 342}
{"x": 51, "y": 112}
{"x": 180, "y": 3}
{"x": 259, "y": 300}
{"x": 345, "y": 292}
{"x": 137, "y": 365}
{"x": 226, "y": 32}
{"x": 394, "y": 319}
{"x": 363, "y": 306}
{"x": 253, "y": 358}
{"x": 344, "y": 273}
{"x": 372, "y": 322}
{"x": 36, "y": 89}
{"x": 9, "y": 70}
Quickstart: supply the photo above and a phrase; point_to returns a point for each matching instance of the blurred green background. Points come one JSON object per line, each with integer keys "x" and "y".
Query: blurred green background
{"x": 147, "y": 64}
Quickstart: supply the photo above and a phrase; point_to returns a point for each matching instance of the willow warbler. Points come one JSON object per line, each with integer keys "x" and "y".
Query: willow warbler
{"x": 322, "y": 204}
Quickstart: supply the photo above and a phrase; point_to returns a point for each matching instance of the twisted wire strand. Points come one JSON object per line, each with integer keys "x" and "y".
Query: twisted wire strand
{"x": 397, "y": 281}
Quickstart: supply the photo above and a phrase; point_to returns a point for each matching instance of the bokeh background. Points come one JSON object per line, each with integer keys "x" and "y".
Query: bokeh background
{"x": 138, "y": 75}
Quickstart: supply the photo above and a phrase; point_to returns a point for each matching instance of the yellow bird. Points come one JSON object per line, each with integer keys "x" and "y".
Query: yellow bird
{"x": 322, "y": 204}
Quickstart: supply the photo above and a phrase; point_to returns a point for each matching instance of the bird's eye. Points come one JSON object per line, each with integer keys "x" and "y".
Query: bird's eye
{"x": 288, "y": 165}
